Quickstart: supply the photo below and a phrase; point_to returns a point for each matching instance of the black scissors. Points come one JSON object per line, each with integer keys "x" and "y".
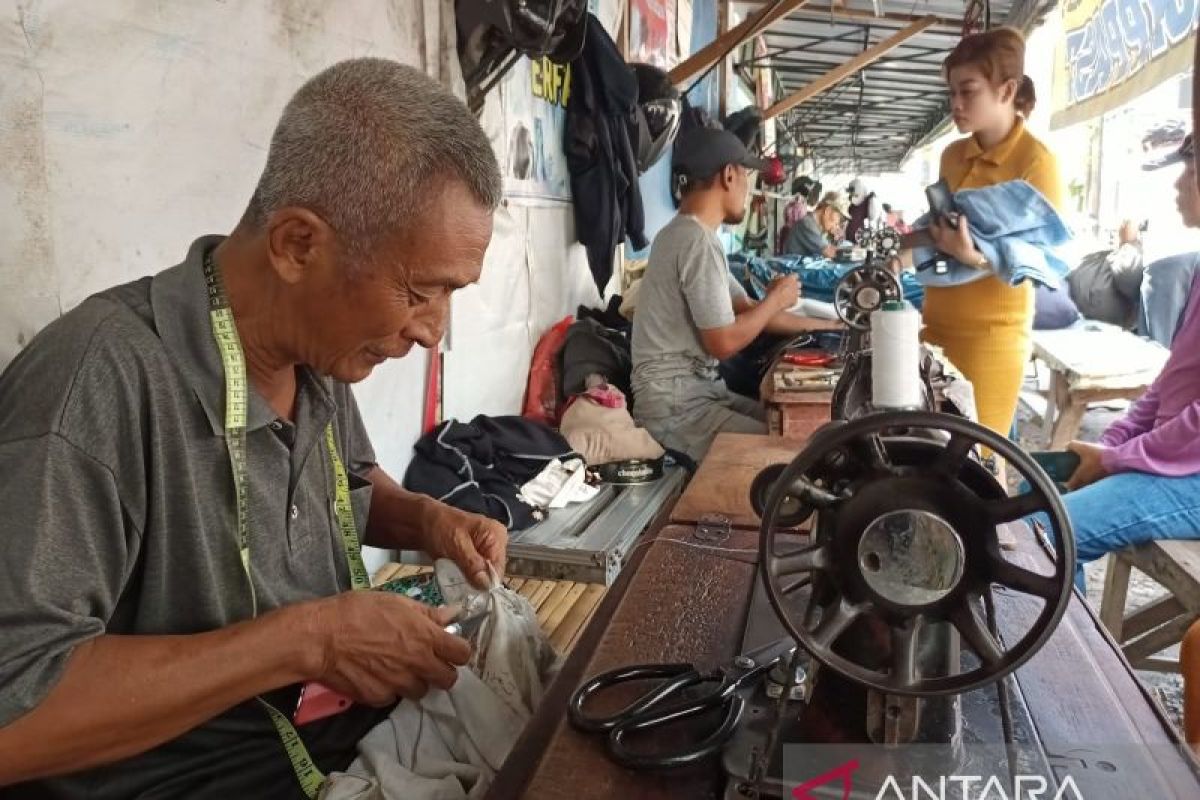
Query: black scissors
{"x": 667, "y": 703}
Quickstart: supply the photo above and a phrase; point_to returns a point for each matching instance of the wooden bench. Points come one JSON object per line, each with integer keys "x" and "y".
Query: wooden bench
{"x": 1092, "y": 364}
{"x": 563, "y": 607}
{"x": 1158, "y": 624}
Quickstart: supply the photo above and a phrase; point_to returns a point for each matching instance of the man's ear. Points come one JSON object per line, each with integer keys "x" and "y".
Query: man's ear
{"x": 297, "y": 242}
{"x": 728, "y": 175}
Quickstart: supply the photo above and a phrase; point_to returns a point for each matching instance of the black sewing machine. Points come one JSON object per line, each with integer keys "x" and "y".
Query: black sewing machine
{"x": 886, "y": 624}
{"x": 857, "y": 294}
{"x": 893, "y": 601}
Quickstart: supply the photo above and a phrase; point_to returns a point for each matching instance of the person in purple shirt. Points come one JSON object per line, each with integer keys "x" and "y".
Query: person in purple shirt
{"x": 1141, "y": 482}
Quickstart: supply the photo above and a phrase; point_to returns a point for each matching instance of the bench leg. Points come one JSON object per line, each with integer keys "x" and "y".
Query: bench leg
{"x": 1156, "y": 640}
{"x": 1066, "y": 423}
{"x": 1116, "y": 588}
{"x": 1056, "y": 398}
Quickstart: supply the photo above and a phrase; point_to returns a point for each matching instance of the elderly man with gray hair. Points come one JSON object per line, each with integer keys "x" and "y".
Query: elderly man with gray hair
{"x": 187, "y": 480}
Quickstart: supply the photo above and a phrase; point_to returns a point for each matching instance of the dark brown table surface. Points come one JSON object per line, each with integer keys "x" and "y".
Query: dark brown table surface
{"x": 679, "y": 603}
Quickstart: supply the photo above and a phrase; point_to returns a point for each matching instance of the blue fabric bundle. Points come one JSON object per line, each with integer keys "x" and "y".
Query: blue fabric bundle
{"x": 1017, "y": 230}
{"x": 818, "y": 276}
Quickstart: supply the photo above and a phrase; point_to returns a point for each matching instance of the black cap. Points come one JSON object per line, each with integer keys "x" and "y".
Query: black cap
{"x": 1183, "y": 153}
{"x": 702, "y": 152}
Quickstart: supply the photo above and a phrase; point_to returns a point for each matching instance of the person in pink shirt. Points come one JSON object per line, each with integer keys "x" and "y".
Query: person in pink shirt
{"x": 1141, "y": 482}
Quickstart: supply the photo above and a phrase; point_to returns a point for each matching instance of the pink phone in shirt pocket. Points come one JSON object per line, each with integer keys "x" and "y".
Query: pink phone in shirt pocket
{"x": 317, "y": 701}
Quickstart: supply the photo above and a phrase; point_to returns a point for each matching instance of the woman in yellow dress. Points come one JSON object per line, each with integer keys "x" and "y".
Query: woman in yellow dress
{"x": 984, "y": 326}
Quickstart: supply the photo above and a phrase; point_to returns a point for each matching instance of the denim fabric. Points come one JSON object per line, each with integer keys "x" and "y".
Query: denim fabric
{"x": 818, "y": 276}
{"x": 1015, "y": 228}
{"x": 1128, "y": 509}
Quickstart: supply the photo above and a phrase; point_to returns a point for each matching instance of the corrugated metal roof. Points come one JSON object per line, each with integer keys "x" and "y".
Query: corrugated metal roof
{"x": 870, "y": 121}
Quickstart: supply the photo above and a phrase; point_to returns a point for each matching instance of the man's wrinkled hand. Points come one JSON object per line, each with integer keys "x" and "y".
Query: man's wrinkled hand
{"x": 1091, "y": 466}
{"x": 376, "y": 647}
{"x": 472, "y": 541}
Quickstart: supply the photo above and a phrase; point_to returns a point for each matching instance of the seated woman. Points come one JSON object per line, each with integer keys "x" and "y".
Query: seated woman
{"x": 1142, "y": 481}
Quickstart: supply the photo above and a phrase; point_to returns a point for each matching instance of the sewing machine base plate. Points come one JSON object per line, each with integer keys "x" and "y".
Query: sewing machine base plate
{"x": 957, "y": 736}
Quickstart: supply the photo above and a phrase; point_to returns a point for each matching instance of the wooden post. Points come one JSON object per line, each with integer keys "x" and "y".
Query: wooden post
{"x": 625, "y": 17}
{"x": 839, "y": 74}
{"x": 722, "y": 26}
{"x": 752, "y": 25}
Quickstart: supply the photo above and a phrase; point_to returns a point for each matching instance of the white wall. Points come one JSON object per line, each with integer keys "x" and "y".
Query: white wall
{"x": 130, "y": 127}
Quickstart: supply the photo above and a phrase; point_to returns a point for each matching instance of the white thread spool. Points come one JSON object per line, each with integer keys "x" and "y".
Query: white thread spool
{"x": 896, "y": 356}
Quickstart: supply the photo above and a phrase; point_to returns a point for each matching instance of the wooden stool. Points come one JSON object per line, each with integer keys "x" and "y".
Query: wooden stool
{"x": 1155, "y": 626}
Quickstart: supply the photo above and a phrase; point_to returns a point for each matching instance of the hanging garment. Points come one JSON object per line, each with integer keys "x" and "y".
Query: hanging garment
{"x": 480, "y": 466}
{"x": 600, "y": 154}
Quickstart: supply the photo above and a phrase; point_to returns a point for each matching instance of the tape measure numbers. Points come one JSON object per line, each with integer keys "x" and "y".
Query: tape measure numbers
{"x": 236, "y": 403}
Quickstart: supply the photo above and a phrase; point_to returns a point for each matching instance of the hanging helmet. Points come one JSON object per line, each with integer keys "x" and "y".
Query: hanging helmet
{"x": 746, "y": 125}
{"x": 659, "y": 110}
{"x": 773, "y": 173}
{"x": 807, "y": 187}
{"x": 535, "y": 28}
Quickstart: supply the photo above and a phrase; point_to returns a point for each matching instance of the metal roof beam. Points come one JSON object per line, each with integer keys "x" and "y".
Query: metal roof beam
{"x": 751, "y": 26}
{"x": 835, "y": 11}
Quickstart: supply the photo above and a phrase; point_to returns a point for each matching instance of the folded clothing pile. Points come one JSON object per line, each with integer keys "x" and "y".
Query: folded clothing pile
{"x": 481, "y": 465}
{"x": 597, "y": 425}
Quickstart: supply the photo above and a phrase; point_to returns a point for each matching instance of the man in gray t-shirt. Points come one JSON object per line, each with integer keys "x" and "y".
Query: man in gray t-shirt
{"x": 690, "y": 314}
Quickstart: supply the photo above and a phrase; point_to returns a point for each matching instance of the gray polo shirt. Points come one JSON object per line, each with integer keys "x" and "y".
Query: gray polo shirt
{"x": 119, "y": 517}
{"x": 805, "y": 238}
{"x": 687, "y": 288}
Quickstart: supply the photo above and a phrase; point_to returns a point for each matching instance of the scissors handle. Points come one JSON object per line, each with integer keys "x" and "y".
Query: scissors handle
{"x": 673, "y": 677}
{"x": 630, "y": 758}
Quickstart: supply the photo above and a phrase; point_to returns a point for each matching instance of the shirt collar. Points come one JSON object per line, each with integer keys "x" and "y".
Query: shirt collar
{"x": 1000, "y": 152}
{"x": 179, "y": 301}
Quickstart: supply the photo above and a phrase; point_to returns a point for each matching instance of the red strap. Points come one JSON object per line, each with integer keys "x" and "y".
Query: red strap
{"x": 433, "y": 390}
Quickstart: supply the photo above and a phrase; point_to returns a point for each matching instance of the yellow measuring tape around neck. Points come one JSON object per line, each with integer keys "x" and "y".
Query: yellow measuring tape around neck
{"x": 237, "y": 401}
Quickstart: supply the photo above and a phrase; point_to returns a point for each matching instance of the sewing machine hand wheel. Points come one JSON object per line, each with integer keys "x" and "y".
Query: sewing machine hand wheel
{"x": 863, "y": 290}
{"x": 906, "y": 535}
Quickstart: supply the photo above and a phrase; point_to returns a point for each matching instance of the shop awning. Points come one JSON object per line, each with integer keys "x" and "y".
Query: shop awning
{"x": 868, "y": 119}
{"x": 1114, "y": 50}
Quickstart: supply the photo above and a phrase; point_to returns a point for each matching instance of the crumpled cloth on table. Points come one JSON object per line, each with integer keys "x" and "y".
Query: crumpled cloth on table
{"x": 450, "y": 744}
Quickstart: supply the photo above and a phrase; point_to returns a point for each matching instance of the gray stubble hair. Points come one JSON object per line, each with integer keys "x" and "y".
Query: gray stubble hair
{"x": 365, "y": 144}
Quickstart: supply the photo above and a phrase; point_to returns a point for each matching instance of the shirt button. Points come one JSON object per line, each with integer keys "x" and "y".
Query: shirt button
{"x": 295, "y": 512}
{"x": 275, "y": 425}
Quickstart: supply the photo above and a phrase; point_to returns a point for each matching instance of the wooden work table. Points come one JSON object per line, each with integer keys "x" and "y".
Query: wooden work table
{"x": 682, "y": 600}
{"x": 722, "y": 484}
